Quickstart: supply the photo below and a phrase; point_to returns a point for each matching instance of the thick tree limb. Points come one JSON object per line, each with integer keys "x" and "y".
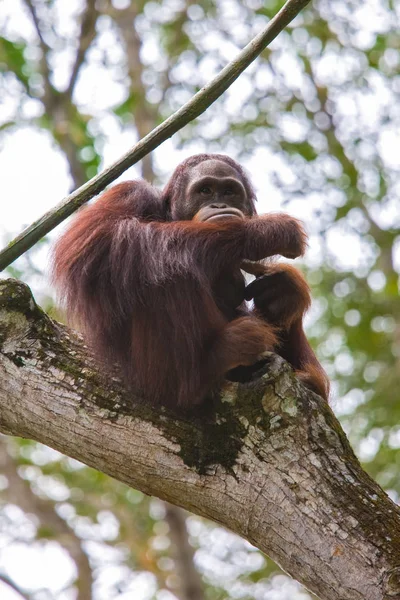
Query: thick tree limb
{"x": 272, "y": 463}
{"x": 189, "y": 111}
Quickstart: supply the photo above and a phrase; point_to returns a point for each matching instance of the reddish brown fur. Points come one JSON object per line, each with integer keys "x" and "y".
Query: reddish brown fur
{"x": 147, "y": 291}
{"x": 284, "y": 302}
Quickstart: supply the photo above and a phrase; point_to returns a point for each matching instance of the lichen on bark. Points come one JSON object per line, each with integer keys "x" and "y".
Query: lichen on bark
{"x": 268, "y": 459}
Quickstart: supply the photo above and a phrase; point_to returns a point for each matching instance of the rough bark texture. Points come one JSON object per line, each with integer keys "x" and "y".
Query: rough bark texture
{"x": 270, "y": 462}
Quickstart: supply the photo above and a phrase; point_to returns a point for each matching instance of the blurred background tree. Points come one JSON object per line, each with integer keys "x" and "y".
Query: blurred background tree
{"x": 316, "y": 121}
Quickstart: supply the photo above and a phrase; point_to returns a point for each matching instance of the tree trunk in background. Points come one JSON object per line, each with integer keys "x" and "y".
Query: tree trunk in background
{"x": 190, "y": 582}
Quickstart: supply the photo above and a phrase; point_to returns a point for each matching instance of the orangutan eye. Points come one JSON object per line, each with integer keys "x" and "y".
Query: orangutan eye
{"x": 205, "y": 190}
{"x": 228, "y": 192}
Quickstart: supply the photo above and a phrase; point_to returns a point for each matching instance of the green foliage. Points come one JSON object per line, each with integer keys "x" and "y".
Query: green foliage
{"x": 127, "y": 108}
{"x": 269, "y": 8}
{"x": 12, "y": 60}
{"x": 316, "y": 107}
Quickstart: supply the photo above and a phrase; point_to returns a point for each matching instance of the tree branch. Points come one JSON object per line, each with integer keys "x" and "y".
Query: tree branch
{"x": 87, "y": 35}
{"x": 190, "y": 582}
{"x": 192, "y": 109}
{"x": 58, "y": 105}
{"x": 272, "y": 463}
{"x": 8, "y": 581}
{"x": 49, "y": 91}
{"x": 145, "y": 114}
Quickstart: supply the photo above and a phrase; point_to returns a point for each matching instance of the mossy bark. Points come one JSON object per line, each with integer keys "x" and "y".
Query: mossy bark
{"x": 269, "y": 460}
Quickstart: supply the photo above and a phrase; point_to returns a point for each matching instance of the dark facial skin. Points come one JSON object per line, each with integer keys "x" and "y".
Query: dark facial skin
{"x": 214, "y": 190}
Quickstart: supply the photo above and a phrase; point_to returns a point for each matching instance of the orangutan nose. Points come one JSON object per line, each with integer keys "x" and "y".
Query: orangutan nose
{"x": 219, "y": 205}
